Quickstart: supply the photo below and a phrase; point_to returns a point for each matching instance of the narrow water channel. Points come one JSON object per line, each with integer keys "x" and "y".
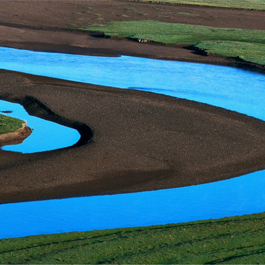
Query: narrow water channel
{"x": 237, "y": 196}
{"x": 46, "y": 135}
{"x": 226, "y": 87}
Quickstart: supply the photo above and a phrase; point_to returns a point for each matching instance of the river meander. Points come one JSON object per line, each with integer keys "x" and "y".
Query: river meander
{"x": 226, "y": 87}
{"x": 46, "y": 135}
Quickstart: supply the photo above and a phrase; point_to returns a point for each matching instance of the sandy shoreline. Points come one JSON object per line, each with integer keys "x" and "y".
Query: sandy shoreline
{"x": 141, "y": 141}
{"x": 15, "y": 137}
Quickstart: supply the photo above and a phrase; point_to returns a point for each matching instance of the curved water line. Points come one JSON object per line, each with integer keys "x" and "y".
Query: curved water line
{"x": 221, "y": 86}
{"x": 50, "y": 131}
{"x": 45, "y": 135}
{"x": 237, "y": 196}
{"x": 234, "y": 89}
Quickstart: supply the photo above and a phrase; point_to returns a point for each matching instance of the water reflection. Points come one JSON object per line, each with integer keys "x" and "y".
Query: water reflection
{"x": 46, "y": 135}
{"x": 225, "y": 87}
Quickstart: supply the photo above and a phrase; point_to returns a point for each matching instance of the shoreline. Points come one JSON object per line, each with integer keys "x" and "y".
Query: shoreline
{"x": 94, "y": 44}
{"x": 15, "y": 137}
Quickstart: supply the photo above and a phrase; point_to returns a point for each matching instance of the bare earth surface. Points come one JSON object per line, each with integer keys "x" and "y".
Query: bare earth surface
{"x": 141, "y": 141}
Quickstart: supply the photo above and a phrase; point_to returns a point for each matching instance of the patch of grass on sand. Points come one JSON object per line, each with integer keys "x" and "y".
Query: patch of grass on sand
{"x": 215, "y": 39}
{"x": 8, "y": 124}
{"x": 228, "y": 240}
{"x": 246, "y": 4}
{"x": 252, "y": 52}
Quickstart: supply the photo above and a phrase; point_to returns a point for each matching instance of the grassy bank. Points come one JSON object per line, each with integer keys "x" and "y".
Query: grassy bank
{"x": 250, "y": 52}
{"x": 8, "y": 124}
{"x": 242, "y": 43}
{"x": 247, "y": 4}
{"x": 237, "y": 240}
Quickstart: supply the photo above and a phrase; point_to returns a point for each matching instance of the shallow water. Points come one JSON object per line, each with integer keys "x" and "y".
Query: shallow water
{"x": 237, "y": 196}
{"x": 226, "y": 87}
{"x": 46, "y": 135}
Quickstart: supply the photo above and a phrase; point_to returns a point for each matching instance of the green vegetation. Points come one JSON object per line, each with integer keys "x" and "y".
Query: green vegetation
{"x": 251, "y": 52}
{"x": 246, "y": 4}
{"x": 8, "y": 124}
{"x": 243, "y": 43}
{"x": 237, "y": 240}
{"x": 173, "y": 33}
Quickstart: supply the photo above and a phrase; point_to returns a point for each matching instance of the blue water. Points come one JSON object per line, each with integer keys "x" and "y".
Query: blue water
{"x": 226, "y": 87}
{"x": 237, "y": 196}
{"x": 46, "y": 135}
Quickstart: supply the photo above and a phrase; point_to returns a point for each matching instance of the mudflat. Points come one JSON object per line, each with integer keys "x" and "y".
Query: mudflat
{"x": 131, "y": 140}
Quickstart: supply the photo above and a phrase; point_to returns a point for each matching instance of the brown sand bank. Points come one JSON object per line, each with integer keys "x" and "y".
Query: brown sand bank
{"x": 142, "y": 141}
{"x": 15, "y": 137}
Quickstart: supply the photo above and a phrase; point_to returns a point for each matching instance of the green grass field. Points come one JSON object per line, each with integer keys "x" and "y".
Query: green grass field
{"x": 8, "y": 124}
{"x": 237, "y": 240}
{"x": 243, "y": 43}
{"x": 246, "y": 4}
{"x": 250, "y": 52}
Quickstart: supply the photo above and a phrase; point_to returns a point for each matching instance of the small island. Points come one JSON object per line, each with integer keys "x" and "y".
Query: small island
{"x": 12, "y": 130}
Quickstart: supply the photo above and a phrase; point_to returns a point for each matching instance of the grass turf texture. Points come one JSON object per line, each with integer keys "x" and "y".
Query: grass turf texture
{"x": 250, "y": 52}
{"x": 229, "y": 42}
{"x": 236, "y": 240}
{"x": 246, "y": 4}
{"x": 8, "y": 124}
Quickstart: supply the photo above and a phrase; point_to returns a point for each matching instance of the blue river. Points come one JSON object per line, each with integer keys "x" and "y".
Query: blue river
{"x": 41, "y": 128}
{"x": 226, "y": 87}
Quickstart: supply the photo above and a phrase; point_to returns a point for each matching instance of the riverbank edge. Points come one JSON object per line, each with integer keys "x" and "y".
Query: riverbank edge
{"x": 36, "y": 108}
{"x": 115, "y": 47}
{"x": 240, "y": 234}
{"x": 15, "y": 137}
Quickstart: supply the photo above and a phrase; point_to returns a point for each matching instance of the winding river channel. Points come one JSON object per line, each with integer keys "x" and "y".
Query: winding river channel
{"x": 41, "y": 128}
{"x": 226, "y": 87}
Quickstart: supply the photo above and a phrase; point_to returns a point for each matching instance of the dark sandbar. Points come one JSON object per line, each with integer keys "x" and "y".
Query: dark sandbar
{"x": 131, "y": 140}
{"x": 142, "y": 141}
